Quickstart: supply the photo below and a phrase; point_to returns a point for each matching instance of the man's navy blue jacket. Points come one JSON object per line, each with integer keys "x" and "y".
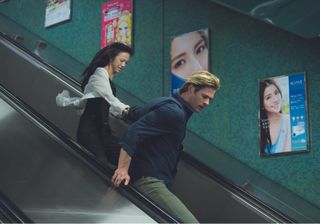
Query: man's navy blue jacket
{"x": 154, "y": 139}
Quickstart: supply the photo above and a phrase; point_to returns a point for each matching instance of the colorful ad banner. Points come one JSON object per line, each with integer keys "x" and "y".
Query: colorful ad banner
{"x": 116, "y": 22}
{"x": 283, "y": 115}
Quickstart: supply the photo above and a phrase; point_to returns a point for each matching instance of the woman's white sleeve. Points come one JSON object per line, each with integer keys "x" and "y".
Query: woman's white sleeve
{"x": 116, "y": 106}
{"x": 98, "y": 83}
{"x": 63, "y": 99}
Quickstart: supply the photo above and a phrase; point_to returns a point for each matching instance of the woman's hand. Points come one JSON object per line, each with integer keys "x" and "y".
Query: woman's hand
{"x": 125, "y": 113}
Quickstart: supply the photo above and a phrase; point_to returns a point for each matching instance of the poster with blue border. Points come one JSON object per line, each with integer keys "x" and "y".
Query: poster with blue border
{"x": 283, "y": 115}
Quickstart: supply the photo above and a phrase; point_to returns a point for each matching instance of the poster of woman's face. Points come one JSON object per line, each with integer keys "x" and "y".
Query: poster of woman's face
{"x": 189, "y": 53}
{"x": 283, "y": 114}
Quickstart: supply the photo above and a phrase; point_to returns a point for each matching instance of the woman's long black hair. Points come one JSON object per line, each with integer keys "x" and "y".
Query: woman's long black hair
{"x": 102, "y": 58}
{"x": 265, "y": 138}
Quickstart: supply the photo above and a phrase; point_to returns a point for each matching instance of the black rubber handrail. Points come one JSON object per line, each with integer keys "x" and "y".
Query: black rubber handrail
{"x": 11, "y": 212}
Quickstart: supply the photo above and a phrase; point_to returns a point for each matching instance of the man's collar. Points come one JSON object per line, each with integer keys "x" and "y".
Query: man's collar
{"x": 186, "y": 105}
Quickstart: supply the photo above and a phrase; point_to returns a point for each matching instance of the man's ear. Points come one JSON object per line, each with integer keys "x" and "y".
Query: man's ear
{"x": 191, "y": 89}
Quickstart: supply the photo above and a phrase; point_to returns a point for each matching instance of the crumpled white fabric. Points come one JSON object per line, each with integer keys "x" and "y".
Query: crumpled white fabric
{"x": 98, "y": 86}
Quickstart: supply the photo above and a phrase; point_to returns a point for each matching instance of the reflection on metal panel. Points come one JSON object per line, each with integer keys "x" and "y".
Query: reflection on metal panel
{"x": 5, "y": 112}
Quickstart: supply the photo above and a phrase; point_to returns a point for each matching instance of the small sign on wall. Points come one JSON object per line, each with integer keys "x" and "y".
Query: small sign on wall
{"x": 116, "y": 22}
{"x": 283, "y": 115}
{"x": 57, "y": 11}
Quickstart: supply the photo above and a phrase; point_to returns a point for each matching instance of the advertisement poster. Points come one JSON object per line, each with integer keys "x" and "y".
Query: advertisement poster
{"x": 116, "y": 22}
{"x": 57, "y": 11}
{"x": 283, "y": 115}
{"x": 189, "y": 53}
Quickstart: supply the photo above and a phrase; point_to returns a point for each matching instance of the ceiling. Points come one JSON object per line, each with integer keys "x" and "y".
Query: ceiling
{"x": 301, "y": 17}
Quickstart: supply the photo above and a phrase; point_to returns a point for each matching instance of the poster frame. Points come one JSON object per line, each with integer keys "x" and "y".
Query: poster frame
{"x": 298, "y": 101}
{"x": 56, "y": 12}
{"x": 117, "y": 22}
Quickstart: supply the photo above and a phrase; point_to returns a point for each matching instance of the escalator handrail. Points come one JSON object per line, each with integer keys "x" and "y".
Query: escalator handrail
{"x": 11, "y": 211}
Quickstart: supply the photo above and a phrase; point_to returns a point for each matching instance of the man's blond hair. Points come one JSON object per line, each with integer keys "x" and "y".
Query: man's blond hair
{"x": 199, "y": 80}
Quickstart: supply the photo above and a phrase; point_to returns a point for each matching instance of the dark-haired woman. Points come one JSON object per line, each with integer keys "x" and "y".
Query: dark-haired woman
{"x": 94, "y": 131}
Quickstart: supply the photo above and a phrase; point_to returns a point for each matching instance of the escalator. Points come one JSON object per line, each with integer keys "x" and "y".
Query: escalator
{"x": 57, "y": 180}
